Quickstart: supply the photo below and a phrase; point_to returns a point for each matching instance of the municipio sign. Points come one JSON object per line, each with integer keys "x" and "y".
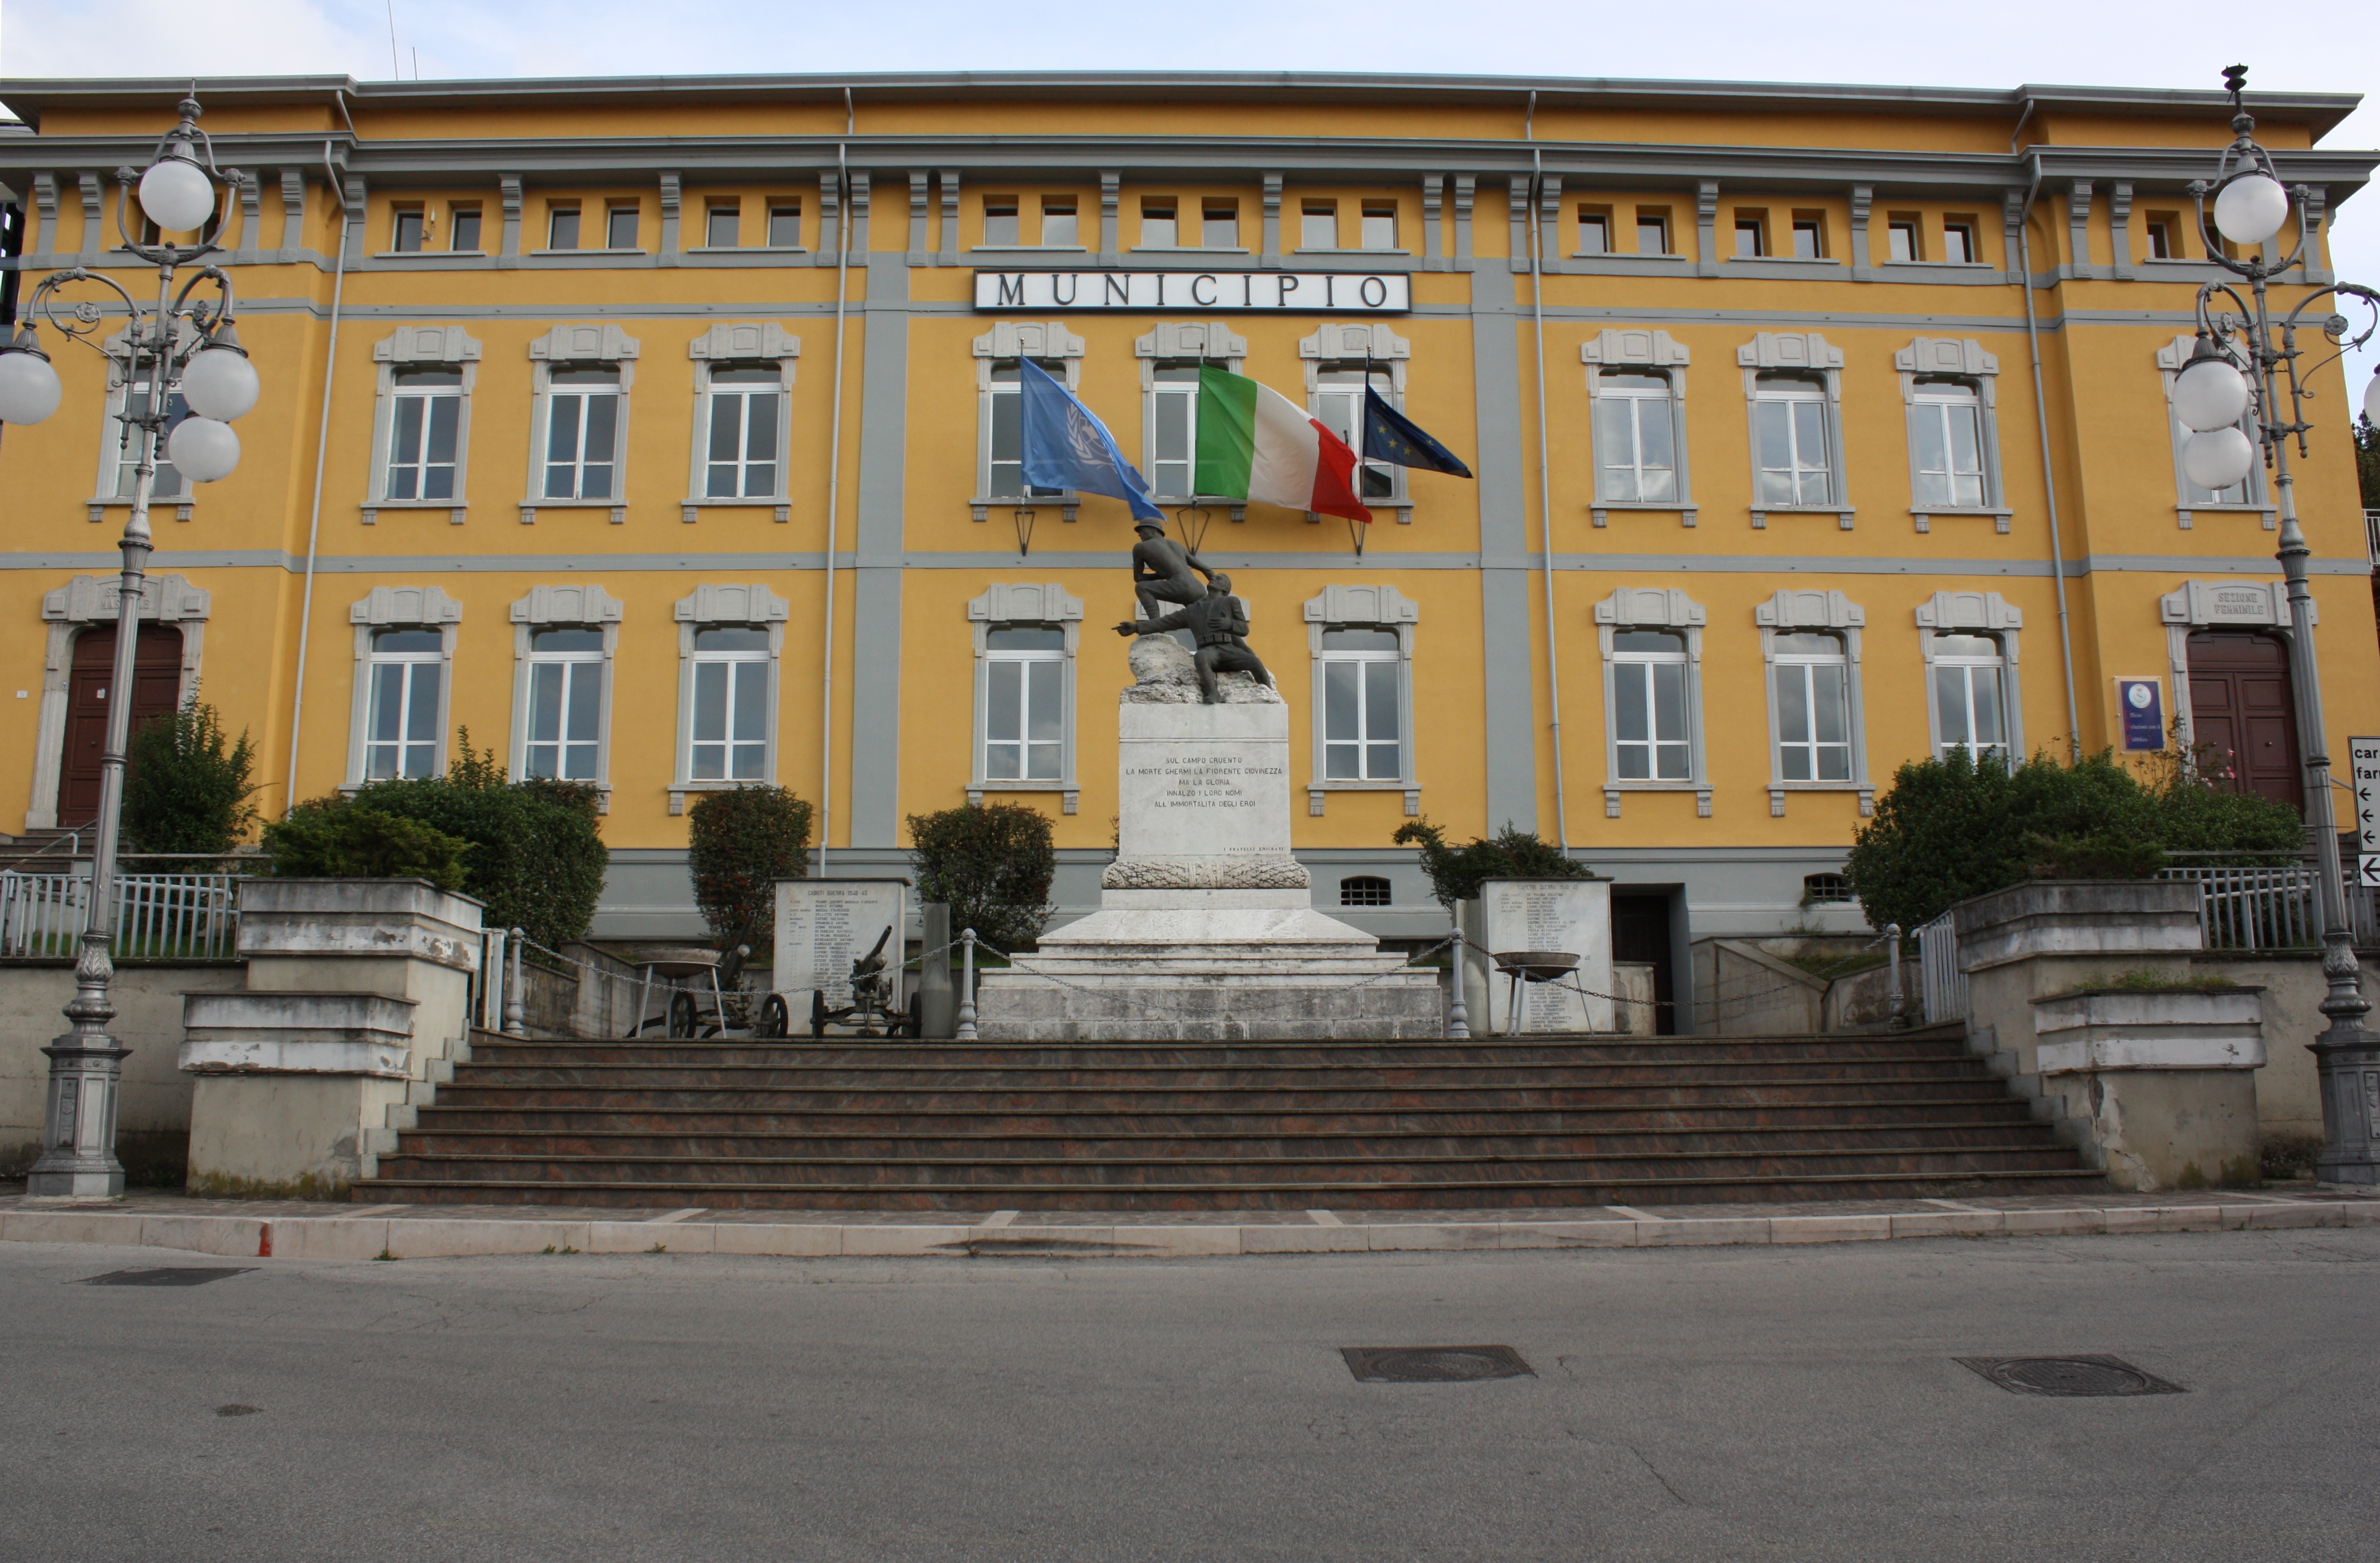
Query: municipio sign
{"x": 1357, "y": 293}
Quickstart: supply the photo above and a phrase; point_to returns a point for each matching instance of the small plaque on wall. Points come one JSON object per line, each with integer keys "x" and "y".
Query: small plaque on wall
{"x": 2140, "y": 703}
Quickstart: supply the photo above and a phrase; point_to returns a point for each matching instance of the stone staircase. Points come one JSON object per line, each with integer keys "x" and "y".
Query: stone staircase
{"x": 846, "y": 1124}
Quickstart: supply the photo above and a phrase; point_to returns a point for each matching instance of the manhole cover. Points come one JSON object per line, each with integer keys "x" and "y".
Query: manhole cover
{"x": 2069, "y": 1375}
{"x": 1433, "y": 1364}
{"x": 237, "y": 1410}
{"x": 192, "y": 1274}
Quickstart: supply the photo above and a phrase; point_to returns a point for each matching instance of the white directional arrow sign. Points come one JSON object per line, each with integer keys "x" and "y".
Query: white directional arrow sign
{"x": 2363, "y": 776}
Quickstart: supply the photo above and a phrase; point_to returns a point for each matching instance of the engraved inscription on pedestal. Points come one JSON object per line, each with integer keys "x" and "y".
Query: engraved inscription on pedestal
{"x": 1204, "y": 799}
{"x": 1570, "y": 916}
{"x": 824, "y": 924}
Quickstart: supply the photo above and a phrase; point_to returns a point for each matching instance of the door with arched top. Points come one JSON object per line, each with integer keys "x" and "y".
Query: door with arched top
{"x": 156, "y": 691}
{"x": 2241, "y": 708}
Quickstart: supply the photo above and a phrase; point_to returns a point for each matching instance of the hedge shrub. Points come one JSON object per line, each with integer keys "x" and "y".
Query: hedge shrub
{"x": 331, "y": 838}
{"x": 185, "y": 788}
{"x": 739, "y": 844}
{"x": 1455, "y": 873}
{"x": 993, "y": 864}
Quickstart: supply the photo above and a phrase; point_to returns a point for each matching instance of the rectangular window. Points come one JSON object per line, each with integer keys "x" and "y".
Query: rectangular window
{"x": 401, "y": 723}
{"x": 620, "y": 227}
{"x": 1023, "y": 703}
{"x": 425, "y": 424}
{"x": 1959, "y": 241}
{"x": 1380, "y": 224}
{"x": 1648, "y": 717}
{"x": 1362, "y": 706}
{"x": 1945, "y": 422}
{"x": 1004, "y": 475}
{"x": 562, "y": 227}
{"x": 1809, "y": 237}
{"x": 463, "y": 228}
{"x": 1813, "y": 682}
{"x": 730, "y": 729}
{"x": 407, "y": 238}
{"x": 168, "y": 483}
{"x": 784, "y": 224}
{"x": 1000, "y": 231}
{"x": 742, "y": 455}
{"x": 1058, "y": 225}
{"x": 1635, "y": 444}
{"x": 1652, "y": 232}
{"x": 1789, "y": 411}
{"x": 1317, "y": 225}
{"x": 1219, "y": 224}
{"x": 582, "y": 433}
{"x": 2165, "y": 237}
{"x": 1970, "y": 711}
{"x": 1902, "y": 240}
{"x": 1339, "y": 406}
{"x": 565, "y": 698}
{"x": 1173, "y": 429}
{"x": 722, "y": 224}
{"x": 1594, "y": 232}
{"x": 1751, "y": 235}
{"x": 1158, "y": 228}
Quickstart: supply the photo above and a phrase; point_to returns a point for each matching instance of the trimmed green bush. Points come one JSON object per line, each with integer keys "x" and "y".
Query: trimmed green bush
{"x": 330, "y": 839}
{"x": 186, "y": 789}
{"x": 739, "y": 844}
{"x": 1455, "y": 873}
{"x": 994, "y": 866}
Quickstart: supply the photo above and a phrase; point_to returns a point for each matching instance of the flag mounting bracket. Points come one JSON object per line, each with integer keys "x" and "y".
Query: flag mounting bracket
{"x": 1194, "y": 520}
{"x": 1024, "y": 531}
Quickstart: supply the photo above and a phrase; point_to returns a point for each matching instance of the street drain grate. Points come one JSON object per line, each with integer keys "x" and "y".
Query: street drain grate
{"x": 189, "y": 1274}
{"x": 2070, "y": 1377}
{"x": 1433, "y": 1364}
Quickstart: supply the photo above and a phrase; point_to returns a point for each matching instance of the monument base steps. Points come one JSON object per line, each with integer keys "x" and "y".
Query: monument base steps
{"x": 1281, "y": 1123}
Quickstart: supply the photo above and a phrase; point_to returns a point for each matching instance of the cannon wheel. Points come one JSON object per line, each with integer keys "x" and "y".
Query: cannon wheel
{"x": 817, "y": 1015}
{"x": 680, "y": 1016}
{"x": 775, "y": 1019}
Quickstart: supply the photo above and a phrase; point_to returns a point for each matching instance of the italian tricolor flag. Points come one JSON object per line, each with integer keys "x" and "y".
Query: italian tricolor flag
{"x": 1257, "y": 445}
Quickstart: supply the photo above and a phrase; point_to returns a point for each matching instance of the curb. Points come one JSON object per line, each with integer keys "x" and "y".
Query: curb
{"x": 347, "y": 1238}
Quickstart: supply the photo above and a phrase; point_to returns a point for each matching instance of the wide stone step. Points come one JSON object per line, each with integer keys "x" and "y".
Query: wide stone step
{"x": 1438, "y": 1194}
{"x": 652, "y": 1077}
{"x": 844, "y": 1054}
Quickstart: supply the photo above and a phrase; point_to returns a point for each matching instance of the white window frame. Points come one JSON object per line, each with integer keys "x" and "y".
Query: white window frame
{"x": 559, "y": 607}
{"x": 1804, "y": 353}
{"x": 2173, "y": 358}
{"x": 1341, "y": 345}
{"x": 400, "y": 608}
{"x": 1044, "y": 604}
{"x": 1169, "y": 343}
{"x": 1362, "y": 607}
{"x": 1790, "y": 611}
{"x": 1656, "y": 608}
{"x": 1962, "y": 359}
{"x": 741, "y": 344}
{"x": 415, "y": 347}
{"x": 1047, "y": 343}
{"x": 1974, "y": 612}
{"x": 578, "y": 347}
{"x": 111, "y": 485}
{"x": 1640, "y": 350}
{"x": 736, "y": 605}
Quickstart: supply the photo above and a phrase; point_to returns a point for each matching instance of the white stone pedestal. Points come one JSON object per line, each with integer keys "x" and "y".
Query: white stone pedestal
{"x": 1206, "y": 929}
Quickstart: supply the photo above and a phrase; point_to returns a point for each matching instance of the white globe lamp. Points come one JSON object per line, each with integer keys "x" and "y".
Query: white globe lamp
{"x": 2215, "y": 458}
{"x": 2251, "y": 209}
{"x": 204, "y": 450}
{"x": 2208, "y": 395}
{"x": 176, "y": 195}
{"x": 29, "y": 386}
{"x": 2371, "y": 399}
{"x": 219, "y": 382}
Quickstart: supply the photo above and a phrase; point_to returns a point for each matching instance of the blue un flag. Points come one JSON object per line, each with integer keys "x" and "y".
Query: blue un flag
{"x": 1065, "y": 447}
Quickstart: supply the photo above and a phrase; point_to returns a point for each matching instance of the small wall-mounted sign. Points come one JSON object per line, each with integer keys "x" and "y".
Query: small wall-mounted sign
{"x": 2142, "y": 702}
{"x": 2364, "y": 783}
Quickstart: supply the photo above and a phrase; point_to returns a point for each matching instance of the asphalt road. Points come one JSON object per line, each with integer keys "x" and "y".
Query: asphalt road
{"x": 1755, "y": 1403}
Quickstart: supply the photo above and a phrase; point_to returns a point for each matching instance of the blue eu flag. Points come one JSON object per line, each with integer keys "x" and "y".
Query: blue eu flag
{"x": 1390, "y": 436}
{"x": 1065, "y": 447}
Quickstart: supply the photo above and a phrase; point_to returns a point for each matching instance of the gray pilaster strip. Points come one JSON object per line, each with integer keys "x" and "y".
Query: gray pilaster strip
{"x": 1862, "y": 205}
{"x": 509, "y": 188}
{"x": 1110, "y": 194}
{"x": 1433, "y": 187}
{"x": 1508, "y": 670}
{"x": 673, "y": 203}
{"x": 1463, "y": 187}
{"x": 920, "y": 199}
{"x": 950, "y": 216}
{"x": 830, "y": 217}
{"x": 873, "y": 811}
{"x": 1706, "y": 258}
{"x": 2119, "y": 227}
{"x": 1271, "y": 254}
{"x": 94, "y": 236}
{"x": 2012, "y": 215}
{"x": 2078, "y": 227}
{"x": 1516, "y": 208}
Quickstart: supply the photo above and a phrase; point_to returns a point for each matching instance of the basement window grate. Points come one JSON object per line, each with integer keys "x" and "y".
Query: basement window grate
{"x": 188, "y": 1275}
{"x": 2069, "y": 1376}
{"x": 1434, "y": 1364}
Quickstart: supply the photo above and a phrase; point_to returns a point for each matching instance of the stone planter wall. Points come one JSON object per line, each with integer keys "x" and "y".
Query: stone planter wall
{"x": 2163, "y": 1079}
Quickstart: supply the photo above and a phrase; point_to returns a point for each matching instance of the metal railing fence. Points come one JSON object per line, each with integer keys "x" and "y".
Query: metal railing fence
{"x": 158, "y": 916}
{"x": 1944, "y": 985}
{"x": 2268, "y": 907}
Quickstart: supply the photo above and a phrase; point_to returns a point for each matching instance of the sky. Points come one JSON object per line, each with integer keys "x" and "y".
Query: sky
{"x": 2175, "y": 44}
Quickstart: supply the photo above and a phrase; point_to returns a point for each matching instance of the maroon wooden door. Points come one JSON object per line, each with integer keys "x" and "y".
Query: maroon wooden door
{"x": 156, "y": 691}
{"x": 2241, "y": 706}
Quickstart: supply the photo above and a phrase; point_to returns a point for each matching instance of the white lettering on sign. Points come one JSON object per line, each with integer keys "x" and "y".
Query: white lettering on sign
{"x": 2363, "y": 787}
{"x": 1360, "y": 293}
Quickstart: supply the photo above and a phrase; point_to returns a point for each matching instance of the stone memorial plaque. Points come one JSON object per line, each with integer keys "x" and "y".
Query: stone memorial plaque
{"x": 1571, "y": 915}
{"x": 824, "y": 924}
{"x": 1203, "y": 781}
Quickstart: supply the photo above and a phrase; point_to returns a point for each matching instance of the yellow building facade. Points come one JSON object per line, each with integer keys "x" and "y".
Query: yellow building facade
{"x": 661, "y": 434}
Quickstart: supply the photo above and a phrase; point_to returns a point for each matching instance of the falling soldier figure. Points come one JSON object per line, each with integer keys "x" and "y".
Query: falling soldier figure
{"x": 1220, "y": 622}
{"x": 1162, "y": 571}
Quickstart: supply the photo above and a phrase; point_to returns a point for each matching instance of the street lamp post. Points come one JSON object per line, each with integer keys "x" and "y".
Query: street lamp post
{"x": 178, "y": 340}
{"x": 2245, "y": 367}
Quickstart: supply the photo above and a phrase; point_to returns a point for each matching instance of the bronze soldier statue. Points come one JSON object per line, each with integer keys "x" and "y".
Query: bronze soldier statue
{"x": 1220, "y": 622}
{"x": 1162, "y": 571}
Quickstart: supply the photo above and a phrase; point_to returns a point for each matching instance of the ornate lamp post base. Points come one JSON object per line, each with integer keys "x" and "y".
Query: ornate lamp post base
{"x": 2347, "y": 1061}
{"x": 78, "y": 1163}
